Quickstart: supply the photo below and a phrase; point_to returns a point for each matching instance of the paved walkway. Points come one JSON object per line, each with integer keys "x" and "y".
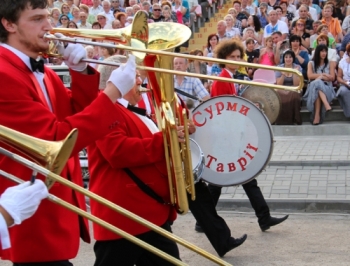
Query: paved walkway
{"x": 303, "y": 173}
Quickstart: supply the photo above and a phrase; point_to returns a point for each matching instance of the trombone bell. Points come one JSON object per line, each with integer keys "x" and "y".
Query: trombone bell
{"x": 51, "y": 154}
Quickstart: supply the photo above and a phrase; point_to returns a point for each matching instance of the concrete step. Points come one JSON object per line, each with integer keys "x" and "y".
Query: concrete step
{"x": 328, "y": 128}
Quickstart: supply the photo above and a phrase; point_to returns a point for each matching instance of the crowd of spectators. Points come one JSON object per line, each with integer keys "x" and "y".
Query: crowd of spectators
{"x": 273, "y": 32}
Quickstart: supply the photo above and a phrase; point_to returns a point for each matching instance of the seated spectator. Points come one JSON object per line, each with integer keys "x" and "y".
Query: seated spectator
{"x": 280, "y": 15}
{"x": 76, "y": 15}
{"x": 90, "y": 54}
{"x": 199, "y": 67}
{"x": 102, "y": 19}
{"x": 96, "y": 26}
{"x": 285, "y": 13}
{"x": 156, "y": 13}
{"x": 275, "y": 25}
{"x": 83, "y": 24}
{"x": 166, "y": 6}
{"x": 279, "y": 46}
{"x": 72, "y": 25}
{"x": 301, "y": 56}
{"x": 115, "y": 5}
{"x": 236, "y": 23}
{"x": 300, "y": 30}
{"x": 323, "y": 29}
{"x": 231, "y": 31}
{"x": 262, "y": 15}
{"x": 343, "y": 45}
{"x": 333, "y": 57}
{"x": 129, "y": 11}
{"x": 212, "y": 42}
{"x": 221, "y": 30}
{"x": 90, "y": 17}
{"x": 65, "y": 10}
{"x": 180, "y": 11}
{"x": 320, "y": 92}
{"x": 267, "y": 56}
{"x": 332, "y": 23}
{"x": 346, "y": 8}
{"x": 167, "y": 15}
{"x": 304, "y": 14}
{"x": 252, "y": 55}
{"x": 346, "y": 25}
{"x": 204, "y": 5}
{"x": 55, "y": 17}
{"x": 241, "y": 16}
{"x": 129, "y": 21}
{"x": 116, "y": 24}
{"x": 290, "y": 100}
{"x": 254, "y": 22}
{"x": 249, "y": 33}
{"x": 106, "y": 70}
{"x": 312, "y": 12}
{"x": 343, "y": 78}
{"x": 63, "y": 21}
{"x": 121, "y": 16}
{"x": 313, "y": 37}
{"x": 135, "y": 8}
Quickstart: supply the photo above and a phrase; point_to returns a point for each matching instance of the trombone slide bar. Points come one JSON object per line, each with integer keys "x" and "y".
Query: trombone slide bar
{"x": 199, "y": 58}
{"x": 101, "y": 222}
{"x": 111, "y": 205}
{"x": 201, "y": 76}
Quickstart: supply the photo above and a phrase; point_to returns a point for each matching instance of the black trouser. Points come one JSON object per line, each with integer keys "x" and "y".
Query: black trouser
{"x": 254, "y": 195}
{"x": 215, "y": 228}
{"x": 53, "y": 263}
{"x": 124, "y": 253}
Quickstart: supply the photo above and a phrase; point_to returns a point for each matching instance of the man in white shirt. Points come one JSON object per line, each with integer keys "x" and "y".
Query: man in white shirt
{"x": 58, "y": 4}
{"x": 106, "y": 5}
{"x": 221, "y": 30}
{"x": 275, "y": 25}
{"x": 96, "y": 8}
{"x": 312, "y": 11}
{"x": 83, "y": 24}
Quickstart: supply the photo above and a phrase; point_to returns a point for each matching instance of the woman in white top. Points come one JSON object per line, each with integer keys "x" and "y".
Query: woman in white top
{"x": 343, "y": 78}
{"x": 231, "y": 31}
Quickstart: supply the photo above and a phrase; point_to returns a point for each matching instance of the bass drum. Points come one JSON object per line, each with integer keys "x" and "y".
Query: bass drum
{"x": 235, "y": 137}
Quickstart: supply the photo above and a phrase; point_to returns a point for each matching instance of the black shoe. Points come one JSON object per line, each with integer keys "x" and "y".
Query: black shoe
{"x": 272, "y": 221}
{"x": 198, "y": 228}
{"x": 234, "y": 243}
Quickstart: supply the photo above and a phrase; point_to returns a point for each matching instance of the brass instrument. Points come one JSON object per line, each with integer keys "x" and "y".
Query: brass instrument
{"x": 33, "y": 148}
{"x": 161, "y": 43}
{"x": 178, "y": 156}
{"x": 52, "y": 154}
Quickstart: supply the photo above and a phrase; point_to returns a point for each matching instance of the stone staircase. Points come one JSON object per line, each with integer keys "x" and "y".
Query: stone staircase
{"x": 202, "y": 29}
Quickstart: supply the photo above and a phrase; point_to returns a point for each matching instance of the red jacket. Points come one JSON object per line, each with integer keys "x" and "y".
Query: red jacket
{"x": 221, "y": 88}
{"x": 53, "y": 232}
{"x": 132, "y": 146}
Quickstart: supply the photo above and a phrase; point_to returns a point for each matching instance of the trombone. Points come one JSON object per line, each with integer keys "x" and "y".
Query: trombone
{"x": 155, "y": 47}
{"x": 49, "y": 154}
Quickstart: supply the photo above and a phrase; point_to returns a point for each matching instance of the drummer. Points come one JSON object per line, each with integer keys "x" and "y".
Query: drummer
{"x": 233, "y": 50}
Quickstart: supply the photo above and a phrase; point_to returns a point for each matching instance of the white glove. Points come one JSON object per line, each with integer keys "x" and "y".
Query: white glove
{"x": 72, "y": 54}
{"x": 23, "y": 200}
{"x": 124, "y": 77}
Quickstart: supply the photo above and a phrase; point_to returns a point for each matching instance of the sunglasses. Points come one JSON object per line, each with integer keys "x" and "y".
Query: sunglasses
{"x": 156, "y": 9}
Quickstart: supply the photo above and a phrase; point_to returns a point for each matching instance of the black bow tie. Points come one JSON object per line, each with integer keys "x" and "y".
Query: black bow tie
{"x": 37, "y": 65}
{"x": 137, "y": 110}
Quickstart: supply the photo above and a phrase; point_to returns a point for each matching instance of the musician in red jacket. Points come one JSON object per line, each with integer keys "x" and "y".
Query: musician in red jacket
{"x": 135, "y": 147}
{"x": 34, "y": 101}
{"x": 233, "y": 50}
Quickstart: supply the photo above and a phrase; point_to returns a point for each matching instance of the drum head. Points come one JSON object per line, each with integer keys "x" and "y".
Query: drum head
{"x": 235, "y": 138}
{"x": 268, "y": 100}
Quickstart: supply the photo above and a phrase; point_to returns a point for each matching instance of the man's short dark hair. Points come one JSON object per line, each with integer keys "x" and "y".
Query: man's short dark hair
{"x": 277, "y": 32}
{"x": 226, "y": 47}
{"x": 12, "y": 9}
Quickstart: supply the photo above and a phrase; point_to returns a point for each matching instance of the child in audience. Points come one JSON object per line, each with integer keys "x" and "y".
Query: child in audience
{"x": 267, "y": 56}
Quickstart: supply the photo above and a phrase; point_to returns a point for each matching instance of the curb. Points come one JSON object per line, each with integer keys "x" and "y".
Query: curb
{"x": 331, "y": 163}
{"x": 283, "y": 205}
